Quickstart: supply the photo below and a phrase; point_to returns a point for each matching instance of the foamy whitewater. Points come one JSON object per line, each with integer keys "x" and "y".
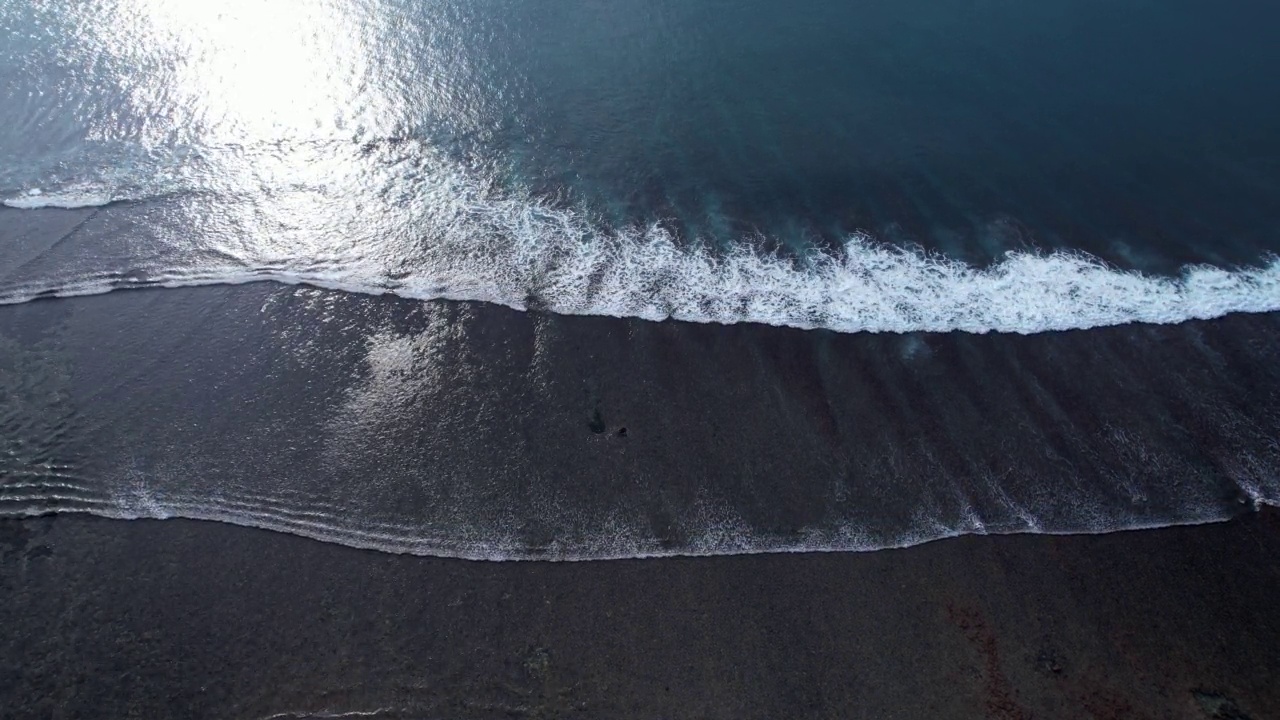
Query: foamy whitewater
{"x": 523, "y": 253}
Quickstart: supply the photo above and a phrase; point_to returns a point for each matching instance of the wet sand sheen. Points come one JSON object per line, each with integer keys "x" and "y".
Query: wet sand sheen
{"x": 469, "y": 430}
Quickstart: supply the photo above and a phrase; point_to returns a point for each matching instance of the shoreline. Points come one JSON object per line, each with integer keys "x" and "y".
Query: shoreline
{"x": 420, "y": 548}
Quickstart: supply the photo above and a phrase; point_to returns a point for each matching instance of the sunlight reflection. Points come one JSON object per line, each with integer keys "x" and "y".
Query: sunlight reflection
{"x": 276, "y": 98}
{"x": 245, "y": 70}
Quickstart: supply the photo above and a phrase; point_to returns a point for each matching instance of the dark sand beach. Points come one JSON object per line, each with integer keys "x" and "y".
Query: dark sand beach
{"x": 180, "y": 618}
{"x": 904, "y": 359}
{"x": 152, "y": 403}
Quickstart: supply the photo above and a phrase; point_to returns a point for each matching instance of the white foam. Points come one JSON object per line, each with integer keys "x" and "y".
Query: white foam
{"x": 870, "y": 289}
{"x": 492, "y": 546}
{"x": 517, "y": 251}
{"x": 67, "y": 199}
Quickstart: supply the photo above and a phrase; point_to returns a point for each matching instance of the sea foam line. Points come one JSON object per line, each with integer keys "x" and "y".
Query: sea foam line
{"x": 869, "y": 288}
{"x": 840, "y": 538}
{"x": 490, "y": 246}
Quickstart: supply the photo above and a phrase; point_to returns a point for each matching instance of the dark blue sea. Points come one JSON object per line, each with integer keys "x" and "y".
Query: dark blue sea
{"x": 570, "y": 279}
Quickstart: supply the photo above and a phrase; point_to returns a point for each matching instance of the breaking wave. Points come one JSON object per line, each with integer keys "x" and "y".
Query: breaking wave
{"x": 420, "y": 228}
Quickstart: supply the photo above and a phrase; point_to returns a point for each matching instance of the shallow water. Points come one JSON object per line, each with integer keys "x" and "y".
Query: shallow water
{"x": 470, "y": 430}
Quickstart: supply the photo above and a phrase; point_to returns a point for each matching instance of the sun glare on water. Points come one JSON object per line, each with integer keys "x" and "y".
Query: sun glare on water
{"x": 262, "y": 104}
{"x": 248, "y": 70}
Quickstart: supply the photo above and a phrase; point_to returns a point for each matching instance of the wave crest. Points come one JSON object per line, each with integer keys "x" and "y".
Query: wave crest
{"x": 420, "y": 228}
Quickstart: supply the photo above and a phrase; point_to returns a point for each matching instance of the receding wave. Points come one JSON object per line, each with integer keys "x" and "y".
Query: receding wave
{"x": 470, "y": 242}
{"x": 717, "y": 538}
{"x": 467, "y": 430}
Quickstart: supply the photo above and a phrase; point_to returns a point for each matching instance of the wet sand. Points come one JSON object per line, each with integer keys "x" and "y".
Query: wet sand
{"x": 472, "y": 430}
{"x": 181, "y": 618}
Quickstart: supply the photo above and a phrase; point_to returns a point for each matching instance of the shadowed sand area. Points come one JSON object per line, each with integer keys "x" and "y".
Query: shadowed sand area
{"x": 181, "y": 618}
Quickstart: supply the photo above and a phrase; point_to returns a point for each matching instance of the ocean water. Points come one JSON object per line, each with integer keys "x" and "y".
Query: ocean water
{"x": 577, "y": 280}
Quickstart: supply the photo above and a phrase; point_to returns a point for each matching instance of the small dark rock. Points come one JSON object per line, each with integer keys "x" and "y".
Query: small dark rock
{"x": 597, "y": 422}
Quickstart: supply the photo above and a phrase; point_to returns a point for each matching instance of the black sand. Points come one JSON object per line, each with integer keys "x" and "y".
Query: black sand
{"x": 188, "y": 619}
